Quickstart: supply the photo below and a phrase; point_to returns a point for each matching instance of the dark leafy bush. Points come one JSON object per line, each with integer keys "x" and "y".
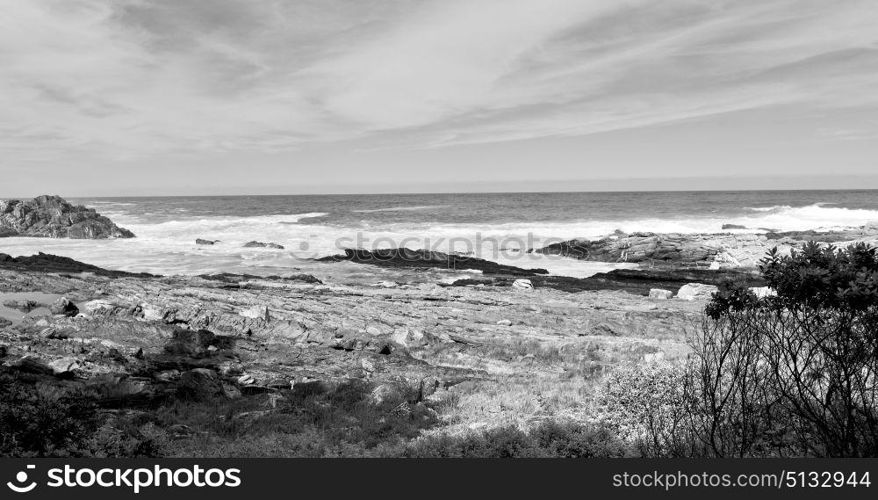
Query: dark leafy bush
{"x": 41, "y": 421}
{"x": 795, "y": 373}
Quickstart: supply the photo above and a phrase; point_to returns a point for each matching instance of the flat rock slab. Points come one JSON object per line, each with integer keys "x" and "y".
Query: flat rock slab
{"x": 15, "y": 316}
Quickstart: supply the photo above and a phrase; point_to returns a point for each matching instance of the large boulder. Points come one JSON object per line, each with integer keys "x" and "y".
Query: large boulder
{"x": 64, "y": 306}
{"x": 697, "y": 291}
{"x": 523, "y": 284}
{"x": 53, "y": 217}
{"x": 200, "y": 384}
{"x": 64, "y": 366}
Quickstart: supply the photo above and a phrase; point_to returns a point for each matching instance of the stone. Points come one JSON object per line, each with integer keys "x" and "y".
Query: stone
{"x": 696, "y": 291}
{"x": 150, "y": 312}
{"x": 231, "y": 392}
{"x": 199, "y": 241}
{"x": 167, "y": 375}
{"x": 53, "y": 217}
{"x": 23, "y": 305}
{"x": 522, "y": 284}
{"x": 99, "y": 307}
{"x": 658, "y": 293}
{"x": 257, "y": 312}
{"x": 55, "y": 333}
{"x": 387, "y": 284}
{"x": 727, "y": 227}
{"x": 64, "y": 366}
{"x": 200, "y": 384}
{"x": 392, "y": 391}
{"x": 259, "y": 244}
{"x": 64, "y": 306}
{"x": 367, "y": 365}
{"x": 504, "y": 322}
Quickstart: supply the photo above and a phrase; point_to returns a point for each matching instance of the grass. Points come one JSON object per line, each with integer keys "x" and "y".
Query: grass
{"x": 548, "y": 440}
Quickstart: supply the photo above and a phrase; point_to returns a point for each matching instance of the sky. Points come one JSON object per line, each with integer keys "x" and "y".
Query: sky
{"x": 151, "y": 97}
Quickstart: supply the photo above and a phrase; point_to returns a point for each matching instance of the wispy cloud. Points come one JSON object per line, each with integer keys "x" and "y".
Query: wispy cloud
{"x": 123, "y": 78}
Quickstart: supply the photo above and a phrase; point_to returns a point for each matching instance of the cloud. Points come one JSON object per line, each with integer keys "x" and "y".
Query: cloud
{"x": 134, "y": 78}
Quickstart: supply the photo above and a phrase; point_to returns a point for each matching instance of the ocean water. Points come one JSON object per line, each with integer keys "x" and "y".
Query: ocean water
{"x": 497, "y": 226}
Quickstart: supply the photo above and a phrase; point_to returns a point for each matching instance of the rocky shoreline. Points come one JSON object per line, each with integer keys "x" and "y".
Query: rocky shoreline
{"x": 144, "y": 338}
{"x": 509, "y": 346}
{"x": 708, "y": 251}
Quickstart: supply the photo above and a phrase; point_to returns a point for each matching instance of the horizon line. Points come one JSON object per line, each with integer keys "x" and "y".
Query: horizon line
{"x": 700, "y": 184}
{"x": 419, "y": 193}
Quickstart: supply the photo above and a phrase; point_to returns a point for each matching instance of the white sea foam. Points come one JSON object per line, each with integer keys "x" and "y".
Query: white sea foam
{"x": 169, "y": 247}
{"x": 399, "y": 209}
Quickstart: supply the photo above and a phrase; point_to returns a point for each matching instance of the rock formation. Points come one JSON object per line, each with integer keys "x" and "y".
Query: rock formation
{"x": 671, "y": 249}
{"x": 634, "y": 281}
{"x": 53, "y": 217}
{"x": 405, "y": 257}
{"x": 54, "y": 264}
{"x": 143, "y": 338}
{"x": 259, "y": 244}
{"x": 696, "y": 291}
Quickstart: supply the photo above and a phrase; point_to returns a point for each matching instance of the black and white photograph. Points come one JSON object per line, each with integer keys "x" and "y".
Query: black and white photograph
{"x": 439, "y": 229}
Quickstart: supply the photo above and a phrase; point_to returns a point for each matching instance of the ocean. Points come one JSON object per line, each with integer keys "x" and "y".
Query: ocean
{"x": 496, "y": 226}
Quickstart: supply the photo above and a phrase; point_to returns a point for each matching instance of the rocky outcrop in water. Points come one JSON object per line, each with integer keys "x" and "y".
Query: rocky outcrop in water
{"x": 259, "y": 244}
{"x": 867, "y": 232}
{"x": 668, "y": 249}
{"x": 408, "y": 258}
{"x": 53, "y": 217}
{"x": 54, "y": 264}
{"x": 635, "y": 281}
{"x": 715, "y": 251}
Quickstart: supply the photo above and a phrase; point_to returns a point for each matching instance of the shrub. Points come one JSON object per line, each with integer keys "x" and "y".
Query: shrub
{"x": 40, "y": 421}
{"x": 650, "y": 407}
{"x": 312, "y": 420}
{"x": 548, "y": 440}
{"x": 795, "y": 373}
